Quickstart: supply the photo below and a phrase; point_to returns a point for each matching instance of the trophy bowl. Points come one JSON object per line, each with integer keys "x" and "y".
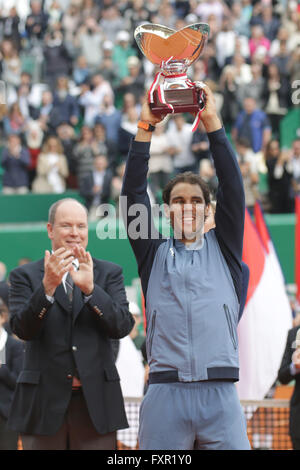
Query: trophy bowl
{"x": 173, "y": 52}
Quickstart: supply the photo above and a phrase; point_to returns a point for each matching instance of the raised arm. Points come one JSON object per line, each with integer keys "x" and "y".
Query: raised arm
{"x": 230, "y": 211}
{"x": 136, "y": 207}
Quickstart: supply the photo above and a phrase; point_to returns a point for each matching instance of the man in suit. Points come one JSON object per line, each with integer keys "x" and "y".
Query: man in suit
{"x": 67, "y": 307}
{"x": 288, "y": 371}
{"x": 11, "y": 356}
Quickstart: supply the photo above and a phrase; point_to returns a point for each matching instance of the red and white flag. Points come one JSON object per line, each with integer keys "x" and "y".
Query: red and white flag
{"x": 267, "y": 316}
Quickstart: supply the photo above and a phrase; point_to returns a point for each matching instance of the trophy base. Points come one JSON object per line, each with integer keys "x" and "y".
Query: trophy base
{"x": 183, "y": 101}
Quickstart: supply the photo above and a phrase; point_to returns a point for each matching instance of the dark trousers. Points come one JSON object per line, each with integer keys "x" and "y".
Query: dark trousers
{"x": 296, "y": 443}
{"x": 8, "y": 438}
{"x": 76, "y": 433}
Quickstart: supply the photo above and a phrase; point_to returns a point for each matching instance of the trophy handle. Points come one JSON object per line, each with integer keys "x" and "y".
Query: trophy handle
{"x": 189, "y": 100}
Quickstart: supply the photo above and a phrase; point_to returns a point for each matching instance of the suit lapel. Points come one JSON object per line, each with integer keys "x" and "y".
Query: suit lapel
{"x": 62, "y": 298}
{"x": 78, "y": 302}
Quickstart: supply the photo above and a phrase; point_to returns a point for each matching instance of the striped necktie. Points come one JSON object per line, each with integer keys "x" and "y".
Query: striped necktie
{"x": 69, "y": 287}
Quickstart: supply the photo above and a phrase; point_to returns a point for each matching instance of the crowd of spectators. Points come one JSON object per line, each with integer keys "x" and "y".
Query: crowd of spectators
{"x": 75, "y": 80}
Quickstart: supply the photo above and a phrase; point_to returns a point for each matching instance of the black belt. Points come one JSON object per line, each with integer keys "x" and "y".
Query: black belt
{"x": 230, "y": 374}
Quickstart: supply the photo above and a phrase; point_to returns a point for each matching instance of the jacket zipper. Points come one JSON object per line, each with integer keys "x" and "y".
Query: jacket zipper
{"x": 190, "y": 326}
{"x": 230, "y": 326}
{"x": 152, "y": 332}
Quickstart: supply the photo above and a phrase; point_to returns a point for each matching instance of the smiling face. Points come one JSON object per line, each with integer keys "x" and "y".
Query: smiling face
{"x": 187, "y": 211}
{"x": 70, "y": 227}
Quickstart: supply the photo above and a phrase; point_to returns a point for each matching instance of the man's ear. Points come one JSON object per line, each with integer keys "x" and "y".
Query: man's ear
{"x": 167, "y": 211}
{"x": 49, "y": 230}
{"x": 206, "y": 211}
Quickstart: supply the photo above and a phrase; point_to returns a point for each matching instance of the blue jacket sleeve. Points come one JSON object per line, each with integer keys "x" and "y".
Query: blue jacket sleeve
{"x": 230, "y": 211}
{"x": 136, "y": 210}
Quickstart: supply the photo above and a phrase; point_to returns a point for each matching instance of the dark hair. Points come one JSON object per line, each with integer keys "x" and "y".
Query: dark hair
{"x": 55, "y": 206}
{"x": 186, "y": 177}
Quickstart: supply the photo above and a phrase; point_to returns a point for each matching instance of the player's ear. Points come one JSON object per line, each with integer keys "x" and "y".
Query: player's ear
{"x": 167, "y": 211}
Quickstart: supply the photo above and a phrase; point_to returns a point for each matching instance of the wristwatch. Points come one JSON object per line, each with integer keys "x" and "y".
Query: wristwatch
{"x": 146, "y": 126}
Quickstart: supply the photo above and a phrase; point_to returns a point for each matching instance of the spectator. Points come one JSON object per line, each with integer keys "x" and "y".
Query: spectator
{"x": 213, "y": 71}
{"x": 249, "y": 171}
{"x": 207, "y": 173}
{"x": 109, "y": 69}
{"x": 253, "y": 124}
{"x": 67, "y": 137}
{"x": 15, "y": 162}
{"x": 34, "y": 138}
{"x": 282, "y": 35}
{"x": 242, "y": 70}
{"x": 255, "y": 87}
{"x": 138, "y": 12}
{"x": 240, "y": 21}
{"x": 57, "y": 59}
{"x": 212, "y": 7}
{"x": 104, "y": 145}
{"x": 129, "y": 101}
{"x": 81, "y": 71}
{"x": 47, "y": 117}
{"x": 268, "y": 22}
{"x": 200, "y": 144}
{"x": 225, "y": 42}
{"x": 134, "y": 82}
{"x": 37, "y": 21}
{"x": 280, "y": 174}
{"x": 180, "y": 137}
{"x": 160, "y": 163}
{"x": 121, "y": 52}
{"x": 95, "y": 187}
{"x": 14, "y": 122}
{"x": 65, "y": 107}
{"x": 240, "y": 47}
{"x": 229, "y": 89}
{"x": 84, "y": 153}
{"x": 258, "y": 41}
{"x": 24, "y": 101}
{"x": 52, "y": 168}
{"x": 88, "y": 40}
{"x": 293, "y": 65}
{"x": 10, "y": 27}
{"x": 110, "y": 117}
{"x": 127, "y": 131}
{"x": 281, "y": 59}
{"x": 92, "y": 100}
{"x": 11, "y": 359}
{"x": 55, "y": 14}
{"x": 11, "y": 64}
{"x": 70, "y": 24}
{"x": 276, "y": 96}
{"x": 166, "y": 15}
{"x": 116, "y": 184}
{"x": 90, "y": 9}
{"x": 111, "y": 22}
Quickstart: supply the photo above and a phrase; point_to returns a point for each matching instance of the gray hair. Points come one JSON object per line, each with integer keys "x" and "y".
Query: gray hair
{"x": 55, "y": 206}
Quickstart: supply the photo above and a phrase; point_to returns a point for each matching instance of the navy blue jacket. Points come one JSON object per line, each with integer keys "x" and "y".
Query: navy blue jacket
{"x": 15, "y": 169}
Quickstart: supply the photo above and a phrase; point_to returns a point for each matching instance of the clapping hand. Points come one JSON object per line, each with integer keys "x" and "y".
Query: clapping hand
{"x": 84, "y": 276}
